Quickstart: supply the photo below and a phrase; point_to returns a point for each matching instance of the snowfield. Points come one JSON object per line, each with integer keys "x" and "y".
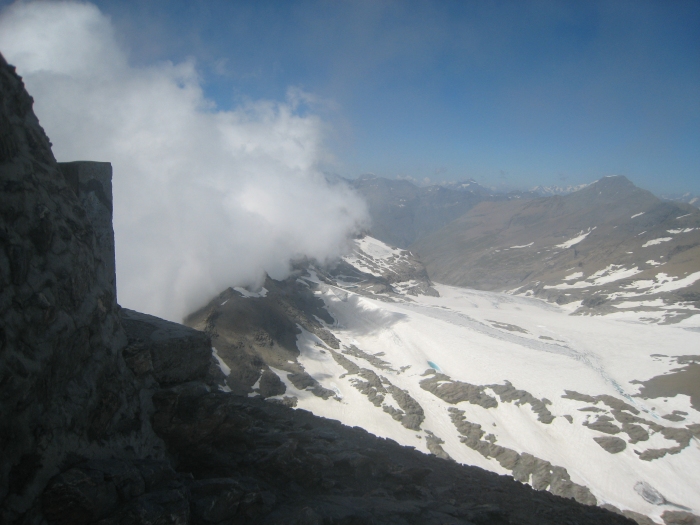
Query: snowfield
{"x": 566, "y": 364}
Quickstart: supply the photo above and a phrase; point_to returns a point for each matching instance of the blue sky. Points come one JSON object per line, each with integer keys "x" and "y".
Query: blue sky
{"x": 509, "y": 93}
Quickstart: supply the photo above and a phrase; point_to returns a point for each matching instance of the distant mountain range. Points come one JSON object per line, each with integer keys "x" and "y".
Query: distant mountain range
{"x": 608, "y": 247}
{"x": 402, "y": 212}
{"x": 688, "y": 198}
{"x": 557, "y": 190}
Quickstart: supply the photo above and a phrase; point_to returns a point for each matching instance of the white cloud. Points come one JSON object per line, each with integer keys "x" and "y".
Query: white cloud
{"x": 203, "y": 199}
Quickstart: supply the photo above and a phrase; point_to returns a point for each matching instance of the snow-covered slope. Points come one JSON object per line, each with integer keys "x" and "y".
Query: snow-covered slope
{"x": 579, "y": 407}
{"x": 376, "y": 267}
{"x": 603, "y": 410}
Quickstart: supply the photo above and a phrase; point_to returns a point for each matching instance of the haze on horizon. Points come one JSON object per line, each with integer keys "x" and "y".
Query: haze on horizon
{"x": 512, "y": 94}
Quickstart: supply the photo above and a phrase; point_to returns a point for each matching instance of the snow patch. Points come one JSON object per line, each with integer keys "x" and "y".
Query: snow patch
{"x": 372, "y": 256}
{"x": 665, "y": 283}
{"x": 222, "y": 366}
{"x": 637, "y": 304}
{"x": 656, "y": 241}
{"x": 575, "y": 240}
{"x": 613, "y": 272}
{"x": 247, "y": 293}
{"x": 376, "y": 248}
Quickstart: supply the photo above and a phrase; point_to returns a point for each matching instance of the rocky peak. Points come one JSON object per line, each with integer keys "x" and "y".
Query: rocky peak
{"x": 615, "y": 190}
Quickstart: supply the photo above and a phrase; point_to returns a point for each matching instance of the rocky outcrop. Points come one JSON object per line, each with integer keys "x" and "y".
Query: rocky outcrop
{"x": 171, "y": 352}
{"x": 525, "y": 467}
{"x": 63, "y": 384}
{"x": 455, "y": 392}
{"x": 611, "y": 444}
{"x": 296, "y": 467}
{"x": 627, "y": 415}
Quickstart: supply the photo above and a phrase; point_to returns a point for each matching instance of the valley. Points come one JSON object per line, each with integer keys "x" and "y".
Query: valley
{"x": 513, "y": 384}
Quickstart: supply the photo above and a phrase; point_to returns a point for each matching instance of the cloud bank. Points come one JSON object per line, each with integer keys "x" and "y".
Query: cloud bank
{"x": 203, "y": 198}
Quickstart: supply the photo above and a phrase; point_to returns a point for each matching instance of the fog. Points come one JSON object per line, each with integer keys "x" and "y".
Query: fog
{"x": 203, "y": 198}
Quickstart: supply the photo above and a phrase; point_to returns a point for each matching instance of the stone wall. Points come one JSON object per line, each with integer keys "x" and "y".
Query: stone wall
{"x": 64, "y": 387}
{"x": 92, "y": 183}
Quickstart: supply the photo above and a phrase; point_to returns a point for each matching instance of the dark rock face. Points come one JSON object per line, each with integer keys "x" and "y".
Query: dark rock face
{"x": 60, "y": 337}
{"x": 92, "y": 183}
{"x": 291, "y": 466}
{"x": 172, "y": 352}
{"x": 254, "y": 334}
{"x": 116, "y": 419}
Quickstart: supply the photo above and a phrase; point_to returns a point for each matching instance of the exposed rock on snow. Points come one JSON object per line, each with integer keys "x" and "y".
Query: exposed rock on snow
{"x": 611, "y": 444}
{"x": 455, "y": 392}
{"x": 542, "y": 475}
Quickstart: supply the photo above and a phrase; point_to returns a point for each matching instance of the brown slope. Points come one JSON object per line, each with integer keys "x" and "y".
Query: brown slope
{"x": 523, "y": 246}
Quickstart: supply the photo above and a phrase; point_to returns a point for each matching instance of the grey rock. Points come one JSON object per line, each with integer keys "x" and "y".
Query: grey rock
{"x": 302, "y": 380}
{"x": 155, "y": 508}
{"x": 641, "y": 519}
{"x": 675, "y": 517}
{"x": 602, "y": 425}
{"x": 457, "y": 391}
{"x": 525, "y": 467}
{"x": 613, "y": 445}
{"x": 178, "y": 354}
{"x": 271, "y": 384}
{"x": 371, "y": 359}
{"x": 343, "y": 361}
{"x": 434, "y": 443}
{"x": 215, "y": 500}
{"x": 79, "y": 496}
{"x": 635, "y": 432}
{"x": 508, "y": 393}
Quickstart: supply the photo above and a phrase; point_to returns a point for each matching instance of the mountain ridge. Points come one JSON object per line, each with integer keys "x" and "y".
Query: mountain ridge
{"x": 609, "y": 231}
